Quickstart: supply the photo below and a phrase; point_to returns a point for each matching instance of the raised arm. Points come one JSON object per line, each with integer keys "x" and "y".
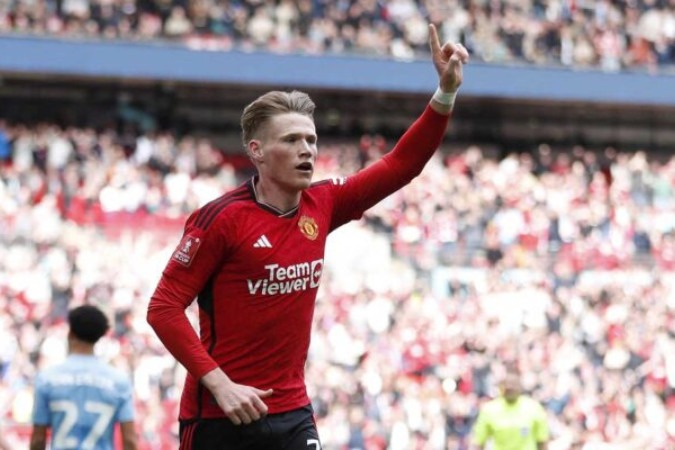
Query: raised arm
{"x": 417, "y": 145}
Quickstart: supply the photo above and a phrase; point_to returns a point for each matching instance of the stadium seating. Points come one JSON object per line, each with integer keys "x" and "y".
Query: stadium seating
{"x": 558, "y": 261}
{"x": 611, "y": 35}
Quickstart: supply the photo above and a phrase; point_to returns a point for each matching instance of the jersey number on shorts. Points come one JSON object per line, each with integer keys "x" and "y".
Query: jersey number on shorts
{"x": 71, "y": 415}
{"x": 315, "y": 443}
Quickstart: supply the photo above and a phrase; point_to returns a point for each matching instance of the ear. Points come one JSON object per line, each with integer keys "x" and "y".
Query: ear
{"x": 255, "y": 150}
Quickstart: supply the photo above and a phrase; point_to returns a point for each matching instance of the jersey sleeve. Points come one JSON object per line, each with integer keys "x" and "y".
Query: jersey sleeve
{"x": 391, "y": 172}
{"x": 41, "y": 413}
{"x": 540, "y": 423}
{"x": 481, "y": 429}
{"x": 125, "y": 412}
{"x": 200, "y": 251}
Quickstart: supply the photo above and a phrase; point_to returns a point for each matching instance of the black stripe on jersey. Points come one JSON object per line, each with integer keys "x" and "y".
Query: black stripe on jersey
{"x": 211, "y": 210}
{"x": 205, "y": 298}
{"x": 206, "y": 304}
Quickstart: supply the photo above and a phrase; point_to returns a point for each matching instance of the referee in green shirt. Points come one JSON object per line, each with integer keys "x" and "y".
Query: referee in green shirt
{"x": 512, "y": 421}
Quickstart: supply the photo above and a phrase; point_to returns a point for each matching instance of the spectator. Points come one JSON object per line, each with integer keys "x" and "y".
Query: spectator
{"x": 606, "y": 35}
{"x": 414, "y": 338}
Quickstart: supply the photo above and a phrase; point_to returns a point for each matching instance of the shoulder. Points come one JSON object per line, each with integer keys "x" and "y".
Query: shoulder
{"x": 493, "y": 406}
{"x": 113, "y": 372}
{"x": 531, "y": 404}
{"x": 118, "y": 377}
{"x": 526, "y": 400}
{"x": 326, "y": 188}
{"x": 50, "y": 372}
{"x": 329, "y": 182}
{"x": 41, "y": 378}
{"x": 215, "y": 210}
{"x": 49, "y": 377}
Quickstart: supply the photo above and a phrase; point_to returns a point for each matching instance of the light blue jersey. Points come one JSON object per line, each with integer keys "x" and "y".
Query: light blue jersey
{"x": 81, "y": 400}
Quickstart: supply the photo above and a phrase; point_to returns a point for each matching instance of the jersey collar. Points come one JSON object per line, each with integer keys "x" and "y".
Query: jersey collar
{"x": 276, "y": 211}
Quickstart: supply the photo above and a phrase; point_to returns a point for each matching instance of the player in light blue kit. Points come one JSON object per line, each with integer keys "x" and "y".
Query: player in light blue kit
{"x": 83, "y": 398}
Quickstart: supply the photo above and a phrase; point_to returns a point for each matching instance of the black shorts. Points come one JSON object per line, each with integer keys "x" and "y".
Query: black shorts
{"x": 292, "y": 430}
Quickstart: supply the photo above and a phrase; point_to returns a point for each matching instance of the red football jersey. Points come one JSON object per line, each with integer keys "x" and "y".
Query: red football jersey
{"x": 255, "y": 272}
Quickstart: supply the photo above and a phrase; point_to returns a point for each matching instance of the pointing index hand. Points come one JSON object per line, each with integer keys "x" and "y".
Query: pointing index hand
{"x": 448, "y": 60}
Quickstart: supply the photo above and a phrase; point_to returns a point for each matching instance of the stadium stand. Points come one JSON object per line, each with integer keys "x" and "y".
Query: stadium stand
{"x": 559, "y": 275}
{"x": 612, "y": 35}
{"x": 541, "y": 236}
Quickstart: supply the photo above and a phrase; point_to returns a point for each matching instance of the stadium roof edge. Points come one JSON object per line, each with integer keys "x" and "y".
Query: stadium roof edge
{"x": 171, "y": 62}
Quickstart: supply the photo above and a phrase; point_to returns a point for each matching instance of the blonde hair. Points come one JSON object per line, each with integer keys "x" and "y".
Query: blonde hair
{"x": 268, "y": 105}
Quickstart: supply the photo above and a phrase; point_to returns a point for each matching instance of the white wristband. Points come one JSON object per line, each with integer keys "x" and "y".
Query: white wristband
{"x": 445, "y": 98}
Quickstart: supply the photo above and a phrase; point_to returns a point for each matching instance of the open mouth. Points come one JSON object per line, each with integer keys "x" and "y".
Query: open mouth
{"x": 305, "y": 167}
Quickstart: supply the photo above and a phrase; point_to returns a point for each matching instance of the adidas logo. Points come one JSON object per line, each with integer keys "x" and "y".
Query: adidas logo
{"x": 262, "y": 242}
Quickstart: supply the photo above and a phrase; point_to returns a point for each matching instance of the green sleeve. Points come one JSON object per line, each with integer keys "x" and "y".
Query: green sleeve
{"x": 540, "y": 424}
{"x": 481, "y": 429}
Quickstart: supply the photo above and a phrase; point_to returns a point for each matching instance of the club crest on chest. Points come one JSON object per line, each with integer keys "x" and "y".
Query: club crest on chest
{"x": 308, "y": 227}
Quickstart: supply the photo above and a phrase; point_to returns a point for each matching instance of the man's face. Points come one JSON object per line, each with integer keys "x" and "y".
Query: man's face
{"x": 285, "y": 151}
{"x": 511, "y": 388}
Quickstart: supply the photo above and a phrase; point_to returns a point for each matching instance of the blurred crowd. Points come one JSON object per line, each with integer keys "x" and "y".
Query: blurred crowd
{"x": 609, "y": 34}
{"x": 556, "y": 261}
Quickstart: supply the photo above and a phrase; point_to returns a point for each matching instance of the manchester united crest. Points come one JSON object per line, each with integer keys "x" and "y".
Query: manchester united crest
{"x": 308, "y": 227}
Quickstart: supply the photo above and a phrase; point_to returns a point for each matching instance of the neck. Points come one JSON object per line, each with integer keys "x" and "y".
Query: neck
{"x": 80, "y": 348}
{"x": 272, "y": 195}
